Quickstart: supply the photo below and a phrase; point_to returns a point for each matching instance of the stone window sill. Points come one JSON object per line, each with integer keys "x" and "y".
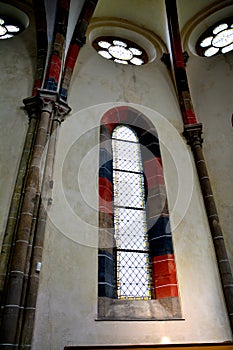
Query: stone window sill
{"x": 138, "y": 310}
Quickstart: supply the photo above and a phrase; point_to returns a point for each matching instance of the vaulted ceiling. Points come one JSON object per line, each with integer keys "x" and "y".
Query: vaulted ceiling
{"x": 147, "y": 15}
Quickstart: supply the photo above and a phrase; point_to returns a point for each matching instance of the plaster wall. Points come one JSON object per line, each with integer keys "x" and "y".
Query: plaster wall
{"x": 17, "y": 64}
{"x": 211, "y": 82}
{"x": 67, "y": 301}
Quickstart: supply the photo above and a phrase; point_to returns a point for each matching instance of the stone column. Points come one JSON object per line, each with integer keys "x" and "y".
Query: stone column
{"x": 16, "y": 285}
{"x": 60, "y": 110}
{"x": 192, "y": 132}
{"x": 193, "y": 135}
{"x": 16, "y": 200}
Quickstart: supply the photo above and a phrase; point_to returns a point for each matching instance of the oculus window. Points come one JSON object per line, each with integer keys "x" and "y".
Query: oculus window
{"x": 218, "y": 39}
{"x": 120, "y": 50}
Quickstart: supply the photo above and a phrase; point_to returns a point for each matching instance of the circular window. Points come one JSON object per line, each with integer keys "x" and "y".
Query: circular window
{"x": 9, "y": 27}
{"x": 120, "y": 50}
{"x": 216, "y": 40}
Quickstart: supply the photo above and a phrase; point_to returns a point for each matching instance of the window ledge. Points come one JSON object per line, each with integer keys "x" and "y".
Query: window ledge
{"x": 138, "y": 310}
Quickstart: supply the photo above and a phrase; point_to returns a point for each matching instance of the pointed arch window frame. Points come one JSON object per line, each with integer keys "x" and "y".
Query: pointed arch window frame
{"x": 164, "y": 289}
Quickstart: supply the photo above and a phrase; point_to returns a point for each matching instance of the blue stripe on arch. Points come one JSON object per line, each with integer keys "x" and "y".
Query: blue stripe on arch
{"x": 161, "y": 246}
{"x": 158, "y": 227}
{"x": 105, "y": 169}
{"x": 160, "y": 238}
{"x": 106, "y": 278}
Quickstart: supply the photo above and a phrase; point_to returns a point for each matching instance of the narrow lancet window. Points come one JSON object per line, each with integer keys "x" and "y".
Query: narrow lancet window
{"x": 130, "y": 228}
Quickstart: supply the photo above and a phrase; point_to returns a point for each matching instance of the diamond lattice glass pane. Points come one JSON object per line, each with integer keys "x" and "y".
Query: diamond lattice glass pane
{"x": 124, "y": 133}
{"x": 130, "y": 229}
{"x": 126, "y": 156}
{"x": 133, "y": 280}
{"x": 128, "y": 189}
{"x": 133, "y": 275}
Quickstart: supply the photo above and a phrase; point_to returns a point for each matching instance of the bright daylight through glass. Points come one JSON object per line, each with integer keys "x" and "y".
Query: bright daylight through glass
{"x": 133, "y": 279}
{"x": 217, "y": 39}
{"x": 120, "y": 51}
{"x": 7, "y": 29}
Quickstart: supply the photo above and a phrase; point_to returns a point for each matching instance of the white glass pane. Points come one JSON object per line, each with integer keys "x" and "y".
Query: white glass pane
{"x": 130, "y": 216}
{"x": 126, "y": 156}
{"x": 2, "y": 30}
{"x": 105, "y": 54}
{"x": 135, "y": 51}
{"x": 124, "y": 133}
{"x": 128, "y": 189}
{"x": 211, "y": 51}
{"x": 223, "y": 38}
{"x": 227, "y": 48}
{"x": 119, "y": 43}
{"x": 206, "y": 42}
{"x": 219, "y": 28}
{"x": 133, "y": 275}
{"x": 120, "y": 53}
{"x": 137, "y": 61}
{"x": 104, "y": 44}
{"x": 6, "y": 36}
{"x": 130, "y": 229}
{"x": 12, "y": 29}
{"x": 120, "y": 61}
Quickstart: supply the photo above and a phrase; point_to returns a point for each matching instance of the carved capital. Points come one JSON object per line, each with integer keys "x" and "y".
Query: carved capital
{"x": 31, "y": 107}
{"x": 166, "y": 60}
{"x": 62, "y": 109}
{"x": 193, "y": 134}
{"x": 46, "y": 101}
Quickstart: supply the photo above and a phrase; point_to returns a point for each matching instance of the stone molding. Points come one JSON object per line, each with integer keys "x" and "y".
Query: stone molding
{"x": 139, "y": 310}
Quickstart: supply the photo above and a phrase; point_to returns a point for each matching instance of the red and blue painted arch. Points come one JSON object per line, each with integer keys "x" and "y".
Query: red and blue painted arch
{"x": 163, "y": 265}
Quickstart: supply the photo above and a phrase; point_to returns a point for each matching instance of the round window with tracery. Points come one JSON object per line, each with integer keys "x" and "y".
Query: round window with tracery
{"x": 120, "y": 50}
{"x": 216, "y": 40}
{"x": 9, "y": 28}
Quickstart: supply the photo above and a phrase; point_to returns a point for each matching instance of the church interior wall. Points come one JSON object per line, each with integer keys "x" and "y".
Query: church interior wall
{"x": 71, "y": 245}
{"x": 209, "y": 83}
{"x": 17, "y": 65}
{"x": 67, "y": 300}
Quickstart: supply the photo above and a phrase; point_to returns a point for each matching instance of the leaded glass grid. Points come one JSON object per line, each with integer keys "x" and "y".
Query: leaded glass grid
{"x": 132, "y": 256}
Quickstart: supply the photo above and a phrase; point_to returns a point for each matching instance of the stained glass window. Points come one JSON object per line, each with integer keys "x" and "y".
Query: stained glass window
{"x": 216, "y": 40}
{"x": 8, "y": 29}
{"x": 120, "y": 50}
{"x": 132, "y": 256}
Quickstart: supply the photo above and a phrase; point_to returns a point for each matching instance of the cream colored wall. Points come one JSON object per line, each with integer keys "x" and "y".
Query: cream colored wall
{"x": 211, "y": 82}
{"x": 17, "y": 63}
{"x": 67, "y": 301}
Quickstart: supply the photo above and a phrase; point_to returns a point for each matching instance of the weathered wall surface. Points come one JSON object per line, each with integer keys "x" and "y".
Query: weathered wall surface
{"x": 17, "y": 65}
{"x": 67, "y": 302}
{"x": 211, "y": 82}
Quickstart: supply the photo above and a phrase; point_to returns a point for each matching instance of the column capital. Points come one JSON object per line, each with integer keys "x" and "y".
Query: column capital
{"x": 47, "y": 101}
{"x": 193, "y": 134}
{"x": 62, "y": 109}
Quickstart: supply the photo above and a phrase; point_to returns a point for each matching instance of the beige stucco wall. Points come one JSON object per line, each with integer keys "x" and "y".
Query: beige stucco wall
{"x": 17, "y": 66}
{"x": 67, "y": 301}
{"x": 210, "y": 82}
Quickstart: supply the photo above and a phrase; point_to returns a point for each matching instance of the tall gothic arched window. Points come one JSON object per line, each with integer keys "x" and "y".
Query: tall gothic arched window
{"x": 136, "y": 258}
